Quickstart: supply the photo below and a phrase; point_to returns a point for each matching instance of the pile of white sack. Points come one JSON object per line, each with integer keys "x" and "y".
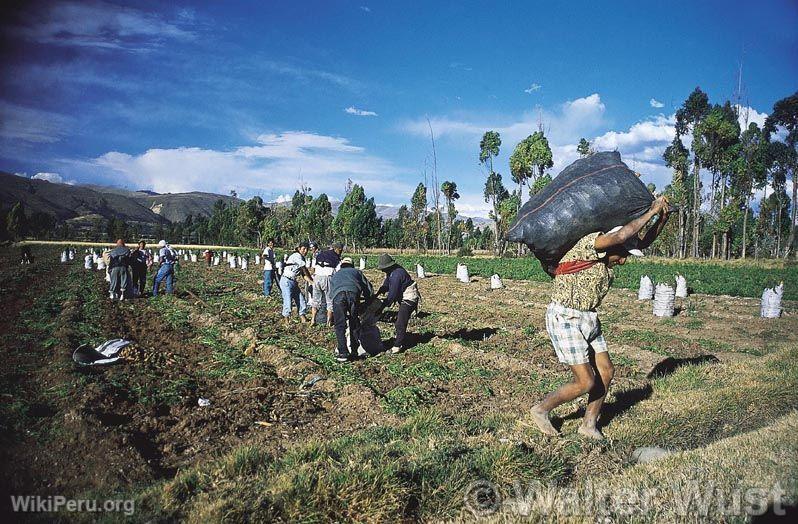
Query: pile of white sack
{"x": 681, "y": 286}
{"x": 646, "y": 291}
{"x": 462, "y": 274}
{"x": 664, "y": 298}
{"x": 771, "y": 302}
{"x": 496, "y": 282}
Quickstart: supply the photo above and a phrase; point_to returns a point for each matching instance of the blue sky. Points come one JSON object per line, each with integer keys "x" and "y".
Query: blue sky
{"x": 260, "y": 97}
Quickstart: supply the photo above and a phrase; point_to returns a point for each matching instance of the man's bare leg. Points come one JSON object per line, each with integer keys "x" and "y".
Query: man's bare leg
{"x": 582, "y": 382}
{"x": 595, "y": 401}
{"x": 329, "y": 318}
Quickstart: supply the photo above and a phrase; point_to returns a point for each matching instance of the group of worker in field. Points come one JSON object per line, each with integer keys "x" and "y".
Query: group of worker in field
{"x": 323, "y": 280}
{"x": 126, "y": 269}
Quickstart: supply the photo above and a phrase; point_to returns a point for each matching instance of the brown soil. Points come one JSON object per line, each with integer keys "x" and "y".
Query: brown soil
{"x": 121, "y": 427}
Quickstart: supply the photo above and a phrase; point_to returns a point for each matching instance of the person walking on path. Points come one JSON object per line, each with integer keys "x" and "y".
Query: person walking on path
{"x": 401, "y": 289}
{"x": 326, "y": 263}
{"x": 166, "y": 272}
{"x": 582, "y": 279}
{"x": 140, "y": 262}
{"x": 294, "y": 269}
{"x": 348, "y": 286}
{"x": 269, "y": 274}
{"x": 118, "y": 263}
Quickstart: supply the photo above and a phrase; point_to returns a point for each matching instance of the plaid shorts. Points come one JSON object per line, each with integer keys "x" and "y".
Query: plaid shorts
{"x": 574, "y": 334}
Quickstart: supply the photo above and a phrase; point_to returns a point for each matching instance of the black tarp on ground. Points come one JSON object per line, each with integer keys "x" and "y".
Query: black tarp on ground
{"x": 595, "y": 193}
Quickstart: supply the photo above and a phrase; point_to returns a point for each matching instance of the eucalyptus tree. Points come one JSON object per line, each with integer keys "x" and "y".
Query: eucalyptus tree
{"x": 676, "y": 157}
{"x": 450, "y": 194}
{"x": 488, "y": 150}
{"x": 690, "y": 115}
{"x": 751, "y": 172}
{"x": 495, "y": 193}
{"x": 713, "y": 141}
{"x": 785, "y": 116}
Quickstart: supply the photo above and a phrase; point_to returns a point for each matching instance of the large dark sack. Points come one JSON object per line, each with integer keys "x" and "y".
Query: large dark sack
{"x": 370, "y": 337}
{"x": 595, "y": 193}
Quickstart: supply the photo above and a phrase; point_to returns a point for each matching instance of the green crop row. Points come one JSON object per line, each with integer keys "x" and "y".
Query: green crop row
{"x": 710, "y": 279}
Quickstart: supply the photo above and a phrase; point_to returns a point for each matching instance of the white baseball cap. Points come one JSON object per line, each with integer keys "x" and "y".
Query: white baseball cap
{"x": 162, "y": 243}
{"x": 630, "y": 245}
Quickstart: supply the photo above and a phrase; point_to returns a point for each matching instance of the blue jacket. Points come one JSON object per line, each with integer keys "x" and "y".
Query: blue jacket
{"x": 328, "y": 258}
{"x": 120, "y": 257}
{"x": 395, "y": 284}
{"x": 350, "y": 279}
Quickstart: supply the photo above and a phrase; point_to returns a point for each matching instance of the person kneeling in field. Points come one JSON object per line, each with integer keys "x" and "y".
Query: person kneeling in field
{"x": 581, "y": 281}
{"x": 348, "y": 286}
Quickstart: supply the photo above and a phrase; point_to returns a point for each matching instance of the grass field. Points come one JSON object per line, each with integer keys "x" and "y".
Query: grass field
{"x": 437, "y": 433}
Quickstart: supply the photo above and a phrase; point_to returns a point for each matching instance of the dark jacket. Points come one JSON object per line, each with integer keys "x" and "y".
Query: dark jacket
{"x": 395, "y": 284}
{"x": 119, "y": 257}
{"x": 350, "y": 279}
{"x": 138, "y": 259}
{"x": 328, "y": 258}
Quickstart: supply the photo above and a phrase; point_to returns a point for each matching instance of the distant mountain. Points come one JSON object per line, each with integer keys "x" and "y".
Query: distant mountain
{"x": 78, "y": 204}
{"x": 174, "y": 207}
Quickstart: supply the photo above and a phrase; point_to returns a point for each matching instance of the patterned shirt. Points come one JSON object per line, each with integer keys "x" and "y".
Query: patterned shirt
{"x": 583, "y": 290}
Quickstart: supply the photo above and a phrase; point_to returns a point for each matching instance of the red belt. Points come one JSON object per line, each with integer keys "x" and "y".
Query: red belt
{"x": 574, "y": 266}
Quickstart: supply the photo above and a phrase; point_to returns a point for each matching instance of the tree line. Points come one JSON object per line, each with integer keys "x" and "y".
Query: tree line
{"x": 716, "y": 221}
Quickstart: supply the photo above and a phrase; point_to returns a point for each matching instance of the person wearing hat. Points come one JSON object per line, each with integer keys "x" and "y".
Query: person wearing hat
{"x": 294, "y": 269}
{"x": 326, "y": 263}
{"x": 348, "y": 286}
{"x": 168, "y": 258}
{"x": 401, "y": 289}
{"x": 582, "y": 279}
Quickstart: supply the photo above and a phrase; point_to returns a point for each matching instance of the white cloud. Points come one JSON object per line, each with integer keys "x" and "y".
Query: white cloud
{"x": 31, "y": 125}
{"x": 359, "y": 112}
{"x": 659, "y": 130}
{"x": 531, "y": 89}
{"x": 459, "y": 65}
{"x": 55, "y": 178}
{"x": 278, "y": 162}
{"x": 365, "y": 8}
{"x": 305, "y": 74}
{"x": 750, "y": 115}
{"x": 282, "y": 199}
{"x": 656, "y": 103}
{"x": 100, "y": 25}
{"x": 568, "y": 122}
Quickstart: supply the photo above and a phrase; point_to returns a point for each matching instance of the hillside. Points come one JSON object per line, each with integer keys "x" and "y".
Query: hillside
{"x": 67, "y": 202}
{"x": 79, "y": 202}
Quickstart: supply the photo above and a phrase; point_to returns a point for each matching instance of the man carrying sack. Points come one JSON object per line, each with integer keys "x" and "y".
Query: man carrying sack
{"x": 582, "y": 279}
